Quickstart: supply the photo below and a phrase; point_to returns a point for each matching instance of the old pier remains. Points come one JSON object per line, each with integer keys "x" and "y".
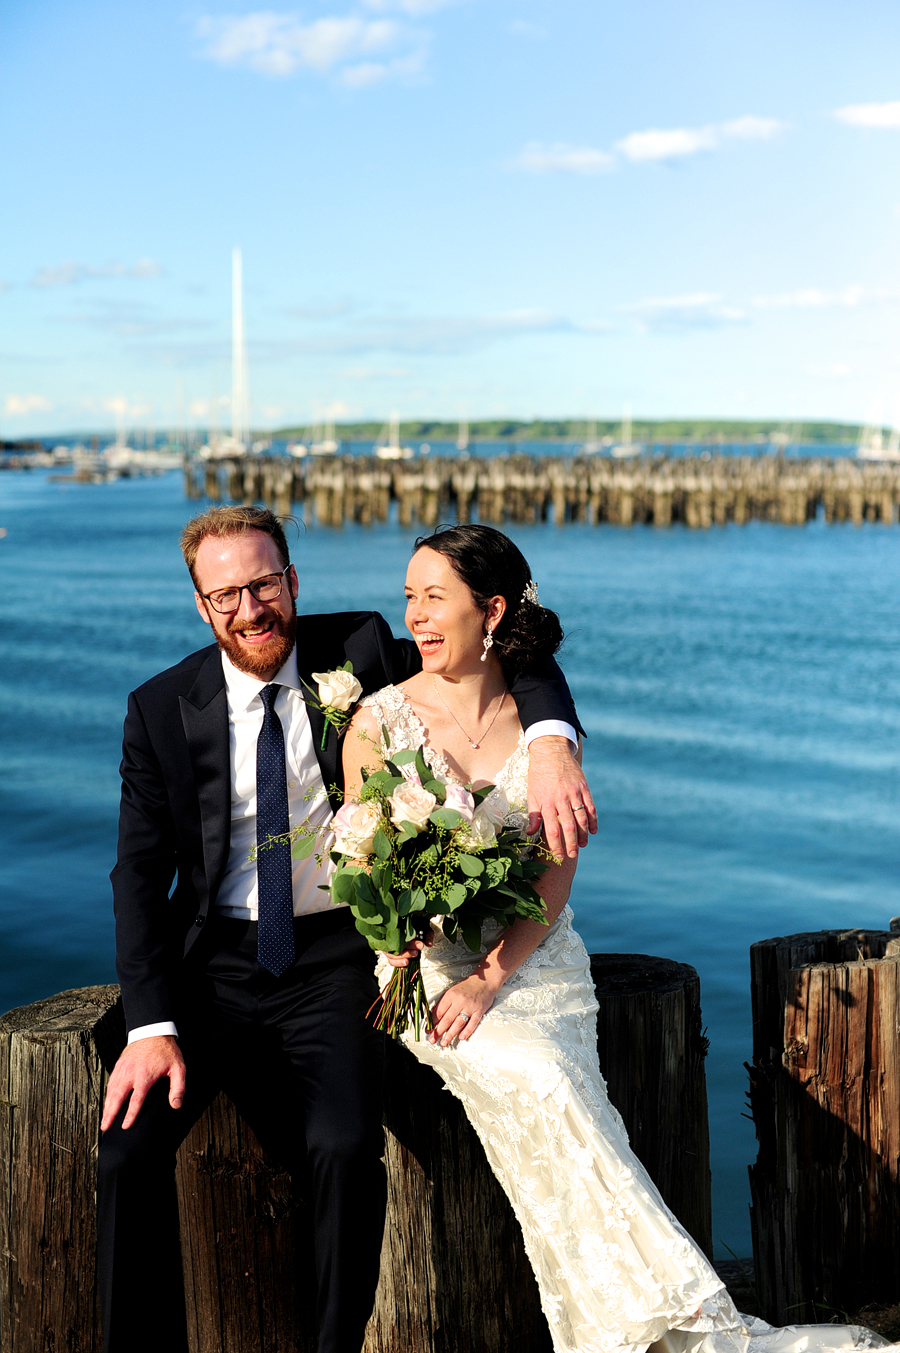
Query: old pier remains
{"x": 699, "y": 491}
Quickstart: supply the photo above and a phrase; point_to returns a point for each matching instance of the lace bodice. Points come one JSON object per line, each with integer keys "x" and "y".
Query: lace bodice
{"x": 405, "y": 730}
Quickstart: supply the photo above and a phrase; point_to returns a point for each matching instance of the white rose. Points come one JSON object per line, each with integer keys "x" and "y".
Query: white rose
{"x": 338, "y": 690}
{"x": 411, "y": 803}
{"x": 354, "y": 826}
{"x": 482, "y": 831}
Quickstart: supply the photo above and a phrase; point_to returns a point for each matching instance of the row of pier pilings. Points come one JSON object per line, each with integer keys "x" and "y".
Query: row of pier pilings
{"x": 700, "y": 492}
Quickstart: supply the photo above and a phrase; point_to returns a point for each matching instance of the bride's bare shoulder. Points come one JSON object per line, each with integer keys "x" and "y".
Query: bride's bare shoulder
{"x": 416, "y": 689}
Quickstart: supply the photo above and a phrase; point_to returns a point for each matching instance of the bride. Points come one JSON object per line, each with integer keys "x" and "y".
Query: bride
{"x": 514, "y": 1026}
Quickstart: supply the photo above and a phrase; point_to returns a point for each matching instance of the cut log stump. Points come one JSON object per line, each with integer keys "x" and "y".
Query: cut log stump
{"x": 652, "y": 1050}
{"x": 454, "y": 1276}
{"x": 825, "y": 1096}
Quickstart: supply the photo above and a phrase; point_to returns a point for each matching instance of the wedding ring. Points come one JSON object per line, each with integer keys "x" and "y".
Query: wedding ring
{"x": 580, "y": 809}
{"x": 464, "y": 1018}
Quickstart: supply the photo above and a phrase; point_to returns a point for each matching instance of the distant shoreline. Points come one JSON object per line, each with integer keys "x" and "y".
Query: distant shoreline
{"x": 705, "y": 431}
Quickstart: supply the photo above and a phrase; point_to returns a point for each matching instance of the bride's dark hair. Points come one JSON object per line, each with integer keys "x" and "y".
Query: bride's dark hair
{"x": 490, "y": 565}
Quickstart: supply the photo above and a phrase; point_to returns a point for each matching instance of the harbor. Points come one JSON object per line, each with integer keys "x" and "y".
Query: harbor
{"x": 697, "y": 491}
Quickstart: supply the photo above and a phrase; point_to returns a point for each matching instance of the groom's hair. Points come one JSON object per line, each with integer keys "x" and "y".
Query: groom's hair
{"x": 231, "y": 521}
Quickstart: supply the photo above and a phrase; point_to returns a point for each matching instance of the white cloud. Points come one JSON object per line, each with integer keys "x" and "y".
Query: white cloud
{"x": 415, "y": 8}
{"x": 335, "y": 409}
{"x": 752, "y": 128}
{"x": 670, "y": 144}
{"x": 17, "y": 406}
{"x": 65, "y": 274}
{"x": 278, "y": 43}
{"x": 814, "y": 298}
{"x": 369, "y": 73}
{"x": 676, "y": 142}
{"x": 123, "y": 407}
{"x": 655, "y": 145}
{"x": 540, "y": 159}
{"x": 870, "y": 114}
{"x": 699, "y": 310}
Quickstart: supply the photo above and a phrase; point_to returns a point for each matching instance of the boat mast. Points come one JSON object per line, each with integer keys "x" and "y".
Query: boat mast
{"x": 240, "y": 405}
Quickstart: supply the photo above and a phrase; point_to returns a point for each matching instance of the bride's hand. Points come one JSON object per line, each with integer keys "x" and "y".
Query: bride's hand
{"x": 412, "y": 949}
{"x": 459, "y": 1011}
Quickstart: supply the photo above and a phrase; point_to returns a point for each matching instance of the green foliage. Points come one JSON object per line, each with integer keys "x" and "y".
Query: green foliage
{"x": 437, "y": 870}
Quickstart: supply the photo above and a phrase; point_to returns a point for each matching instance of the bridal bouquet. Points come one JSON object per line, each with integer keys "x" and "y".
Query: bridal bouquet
{"x": 411, "y": 847}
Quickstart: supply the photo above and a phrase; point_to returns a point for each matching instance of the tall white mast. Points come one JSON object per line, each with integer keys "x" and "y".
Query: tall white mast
{"x": 240, "y": 403}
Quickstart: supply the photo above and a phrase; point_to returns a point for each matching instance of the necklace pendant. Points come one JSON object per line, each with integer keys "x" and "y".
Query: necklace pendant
{"x": 475, "y": 745}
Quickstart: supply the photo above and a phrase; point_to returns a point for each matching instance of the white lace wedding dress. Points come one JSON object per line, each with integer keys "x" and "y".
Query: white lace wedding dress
{"x": 616, "y": 1270}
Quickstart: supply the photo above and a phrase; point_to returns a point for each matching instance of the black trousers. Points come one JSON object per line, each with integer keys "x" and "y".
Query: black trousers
{"x": 304, "y": 1068}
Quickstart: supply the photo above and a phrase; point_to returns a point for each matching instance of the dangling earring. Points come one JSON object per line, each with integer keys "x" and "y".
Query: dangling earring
{"x": 488, "y": 643}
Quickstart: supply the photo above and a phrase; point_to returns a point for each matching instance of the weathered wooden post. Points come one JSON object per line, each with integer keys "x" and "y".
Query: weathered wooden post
{"x": 454, "y": 1274}
{"x": 825, "y": 1096}
{"x": 652, "y": 1050}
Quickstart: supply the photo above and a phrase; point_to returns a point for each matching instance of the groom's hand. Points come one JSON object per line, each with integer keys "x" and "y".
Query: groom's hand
{"x": 141, "y": 1065}
{"x": 558, "y": 796}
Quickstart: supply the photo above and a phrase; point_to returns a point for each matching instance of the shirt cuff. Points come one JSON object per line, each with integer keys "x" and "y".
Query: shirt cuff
{"x": 166, "y": 1028}
{"x": 553, "y": 728}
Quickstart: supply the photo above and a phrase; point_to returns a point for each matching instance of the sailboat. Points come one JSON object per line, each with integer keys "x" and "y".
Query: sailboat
{"x": 626, "y": 448}
{"x": 323, "y": 441}
{"x": 462, "y": 437}
{"x": 871, "y": 445}
{"x": 387, "y": 444}
{"x": 591, "y": 445}
{"x": 236, "y": 444}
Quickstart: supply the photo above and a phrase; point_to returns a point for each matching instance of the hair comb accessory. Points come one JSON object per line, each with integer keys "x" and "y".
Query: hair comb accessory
{"x": 531, "y": 593}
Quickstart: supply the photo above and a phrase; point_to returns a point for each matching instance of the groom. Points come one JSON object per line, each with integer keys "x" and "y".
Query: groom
{"x": 245, "y": 977}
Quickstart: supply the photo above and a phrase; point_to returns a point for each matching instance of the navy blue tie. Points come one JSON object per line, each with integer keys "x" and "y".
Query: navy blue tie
{"x": 275, "y": 941}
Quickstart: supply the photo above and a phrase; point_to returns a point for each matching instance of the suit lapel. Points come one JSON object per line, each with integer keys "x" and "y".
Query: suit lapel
{"x": 204, "y": 717}
{"x": 329, "y": 755}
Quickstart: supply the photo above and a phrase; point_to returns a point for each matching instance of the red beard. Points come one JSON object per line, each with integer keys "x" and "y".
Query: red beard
{"x": 264, "y": 659}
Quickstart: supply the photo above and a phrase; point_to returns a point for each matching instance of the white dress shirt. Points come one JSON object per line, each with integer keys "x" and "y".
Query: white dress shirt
{"x": 238, "y": 894}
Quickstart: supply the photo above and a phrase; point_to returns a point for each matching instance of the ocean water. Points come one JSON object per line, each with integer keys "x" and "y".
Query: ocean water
{"x": 740, "y": 688}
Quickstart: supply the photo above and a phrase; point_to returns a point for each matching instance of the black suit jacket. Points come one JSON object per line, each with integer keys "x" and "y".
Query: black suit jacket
{"x": 175, "y": 815}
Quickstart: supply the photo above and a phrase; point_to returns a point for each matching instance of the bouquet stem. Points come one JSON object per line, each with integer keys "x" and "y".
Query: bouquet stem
{"x": 403, "y": 1003}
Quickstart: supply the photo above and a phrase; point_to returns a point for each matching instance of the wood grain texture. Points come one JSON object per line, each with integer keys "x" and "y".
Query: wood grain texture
{"x": 652, "y": 1053}
{"x": 825, "y": 1096}
{"x": 54, "y": 1058}
{"x": 454, "y": 1276}
{"x": 661, "y": 489}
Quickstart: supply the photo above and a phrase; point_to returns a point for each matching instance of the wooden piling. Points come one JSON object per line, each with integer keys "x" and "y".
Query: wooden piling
{"x": 454, "y": 1276}
{"x": 825, "y": 1097}
{"x": 697, "y": 491}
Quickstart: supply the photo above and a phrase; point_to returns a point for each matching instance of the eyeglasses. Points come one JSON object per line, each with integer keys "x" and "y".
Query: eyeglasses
{"x": 228, "y": 599}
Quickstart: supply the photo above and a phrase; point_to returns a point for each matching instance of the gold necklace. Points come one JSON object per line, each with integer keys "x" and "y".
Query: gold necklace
{"x": 468, "y": 736}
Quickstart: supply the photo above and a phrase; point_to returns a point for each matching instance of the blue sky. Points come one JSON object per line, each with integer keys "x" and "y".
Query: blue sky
{"x": 450, "y": 207}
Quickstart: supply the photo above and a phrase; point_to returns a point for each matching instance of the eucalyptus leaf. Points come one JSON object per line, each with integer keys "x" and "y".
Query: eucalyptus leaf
{"x": 403, "y": 757}
{"x": 447, "y": 818}
{"x": 471, "y": 865}
{"x": 382, "y": 845}
{"x": 455, "y": 895}
{"x": 302, "y": 849}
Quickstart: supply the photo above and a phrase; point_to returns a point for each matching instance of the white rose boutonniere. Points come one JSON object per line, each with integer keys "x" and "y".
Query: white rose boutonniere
{"x": 338, "y": 690}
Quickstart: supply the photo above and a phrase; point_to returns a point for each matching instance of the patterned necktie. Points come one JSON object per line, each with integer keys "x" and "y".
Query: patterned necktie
{"x": 275, "y": 941}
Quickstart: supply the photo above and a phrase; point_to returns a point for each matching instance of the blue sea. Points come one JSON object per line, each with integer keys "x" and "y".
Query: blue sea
{"x": 740, "y": 688}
